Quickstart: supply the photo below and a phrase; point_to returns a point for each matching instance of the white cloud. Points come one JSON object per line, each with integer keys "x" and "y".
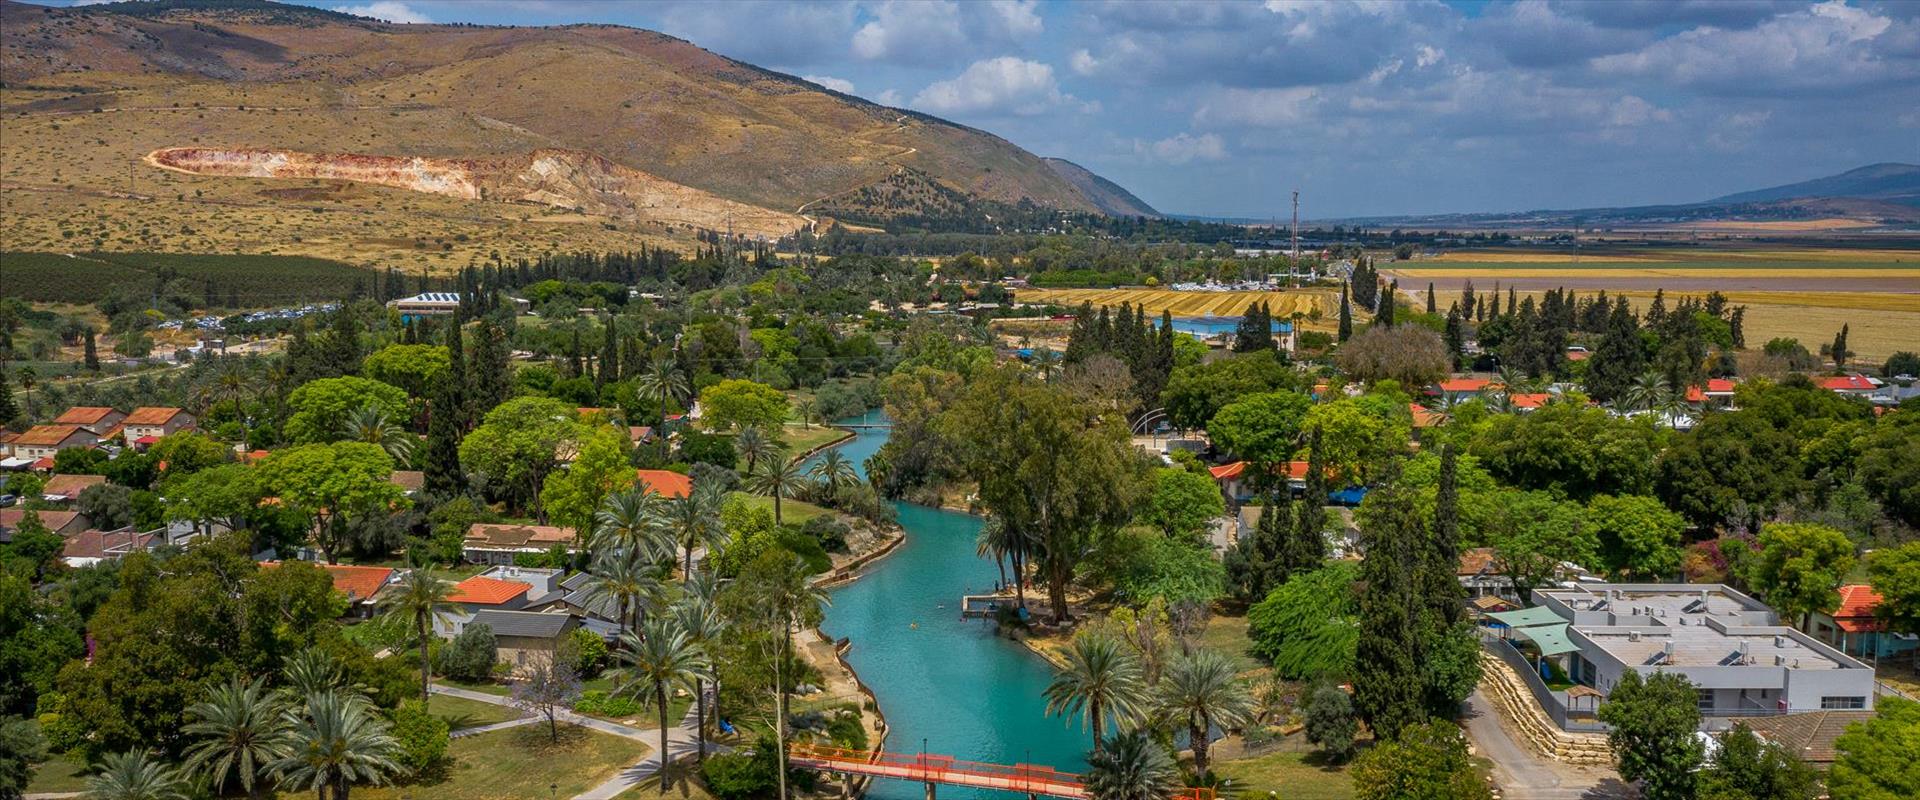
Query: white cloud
{"x": 388, "y": 10}
{"x": 1428, "y": 55}
{"x": 1004, "y": 85}
{"x": 1018, "y": 17}
{"x": 1259, "y": 108}
{"x": 840, "y": 85}
{"x": 1083, "y": 62}
{"x": 889, "y": 97}
{"x": 902, "y": 29}
{"x": 1824, "y": 46}
{"x": 1182, "y": 148}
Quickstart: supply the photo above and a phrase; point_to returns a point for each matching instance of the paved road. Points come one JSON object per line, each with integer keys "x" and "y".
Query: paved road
{"x": 682, "y": 741}
{"x": 1523, "y": 774}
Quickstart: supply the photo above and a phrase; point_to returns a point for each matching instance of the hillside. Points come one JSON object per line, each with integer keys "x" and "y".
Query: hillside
{"x": 87, "y": 93}
{"x": 1889, "y": 182}
{"x": 1111, "y": 198}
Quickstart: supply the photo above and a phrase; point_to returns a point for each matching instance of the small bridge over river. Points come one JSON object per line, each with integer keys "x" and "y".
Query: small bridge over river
{"x": 865, "y": 426}
{"x": 1032, "y": 780}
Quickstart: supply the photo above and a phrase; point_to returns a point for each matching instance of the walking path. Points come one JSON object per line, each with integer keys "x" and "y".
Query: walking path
{"x": 1523, "y": 774}
{"x": 682, "y": 740}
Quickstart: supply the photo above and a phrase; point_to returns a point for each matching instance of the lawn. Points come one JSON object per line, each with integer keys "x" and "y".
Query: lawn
{"x": 490, "y": 688}
{"x": 682, "y": 790}
{"x": 1228, "y": 636}
{"x": 800, "y": 440}
{"x": 460, "y": 712}
{"x": 791, "y": 511}
{"x": 1295, "y": 776}
{"x": 523, "y": 763}
{"x": 58, "y": 774}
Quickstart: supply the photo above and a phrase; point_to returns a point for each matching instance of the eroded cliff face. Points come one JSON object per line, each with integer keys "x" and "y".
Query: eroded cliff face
{"x": 570, "y": 179}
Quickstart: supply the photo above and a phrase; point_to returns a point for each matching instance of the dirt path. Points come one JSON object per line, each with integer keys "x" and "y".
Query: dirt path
{"x": 1523, "y": 774}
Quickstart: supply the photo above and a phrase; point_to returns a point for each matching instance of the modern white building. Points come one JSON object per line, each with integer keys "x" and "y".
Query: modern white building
{"x": 1731, "y": 646}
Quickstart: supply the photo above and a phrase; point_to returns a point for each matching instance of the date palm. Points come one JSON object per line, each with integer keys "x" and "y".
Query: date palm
{"x": 242, "y": 728}
{"x": 835, "y": 472}
{"x": 627, "y": 580}
{"x": 1203, "y": 688}
{"x": 665, "y": 384}
{"x": 373, "y": 425}
{"x": 1101, "y": 677}
{"x": 665, "y": 656}
{"x": 135, "y": 776}
{"x": 634, "y": 522}
{"x": 1647, "y": 392}
{"x": 804, "y": 409}
{"x": 424, "y": 598}
{"x": 1132, "y": 766}
{"x": 338, "y": 739}
{"x": 704, "y": 626}
{"x": 694, "y": 521}
{"x": 231, "y": 384}
{"x": 311, "y": 671}
{"x": 781, "y": 593}
{"x": 776, "y": 477}
{"x": 754, "y": 443}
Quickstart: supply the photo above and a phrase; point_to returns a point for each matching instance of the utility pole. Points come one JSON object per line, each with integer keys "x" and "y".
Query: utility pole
{"x": 1296, "y": 225}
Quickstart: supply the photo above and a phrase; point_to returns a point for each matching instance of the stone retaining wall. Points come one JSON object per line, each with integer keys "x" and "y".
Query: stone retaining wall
{"x": 1535, "y": 728}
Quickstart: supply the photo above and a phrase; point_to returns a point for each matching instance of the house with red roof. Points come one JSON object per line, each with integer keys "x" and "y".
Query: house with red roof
{"x": 481, "y": 591}
{"x": 65, "y": 523}
{"x": 1525, "y": 402}
{"x": 90, "y": 547}
{"x": 1236, "y": 484}
{"x": 498, "y": 543}
{"x": 63, "y": 488}
{"x": 1854, "y": 629}
{"x": 43, "y": 441}
{"x": 96, "y": 419}
{"x": 1853, "y": 384}
{"x": 665, "y": 482}
{"x": 147, "y": 424}
{"x": 1718, "y": 393}
{"x": 361, "y": 584}
{"x": 1464, "y": 388}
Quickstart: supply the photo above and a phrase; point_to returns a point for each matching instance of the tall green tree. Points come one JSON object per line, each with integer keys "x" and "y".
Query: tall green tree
{"x": 1204, "y": 687}
{"x": 1387, "y": 678}
{"x": 663, "y": 656}
{"x": 330, "y": 483}
{"x": 339, "y": 739}
{"x": 1653, "y": 720}
{"x": 778, "y": 477}
{"x": 1346, "y": 314}
{"x": 1103, "y": 679}
{"x": 1131, "y": 766}
{"x": 427, "y": 601}
{"x": 1894, "y": 573}
{"x": 1800, "y": 568}
{"x": 440, "y": 456}
{"x": 241, "y": 730}
{"x": 1879, "y": 759}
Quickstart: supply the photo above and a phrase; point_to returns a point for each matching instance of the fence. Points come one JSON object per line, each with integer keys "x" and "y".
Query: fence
{"x": 1549, "y": 700}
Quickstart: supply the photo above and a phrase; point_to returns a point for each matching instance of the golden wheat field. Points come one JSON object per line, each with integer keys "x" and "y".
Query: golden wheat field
{"x": 1313, "y": 304}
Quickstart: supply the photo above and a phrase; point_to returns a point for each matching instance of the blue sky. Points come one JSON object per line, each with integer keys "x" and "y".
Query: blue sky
{"x": 1368, "y": 107}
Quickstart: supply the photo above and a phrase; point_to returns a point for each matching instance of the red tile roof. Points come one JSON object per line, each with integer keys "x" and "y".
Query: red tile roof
{"x": 358, "y": 583}
{"x": 1422, "y": 416}
{"x": 97, "y": 544}
{"x": 1848, "y": 383}
{"x": 483, "y": 591}
{"x": 70, "y": 485}
{"x": 666, "y": 482}
{"x": 1464, "y": 384}
{"x": 1476, "y": 561}
{"x": 47, "y": 435}
{"x": 1855, "y": 614}
{"x": 508, "y": 536}
{"x": 83, "y": 415}
{"x": 1714, "y": 386}
{"x": 1227, "y": 472}
{"x": 1529, "y": 400}
{"x": 54, "y": 520}
{"x": 152, "y": 415}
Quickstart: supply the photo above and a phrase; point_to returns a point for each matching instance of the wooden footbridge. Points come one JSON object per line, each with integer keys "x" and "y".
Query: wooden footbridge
{"x": 1032, "y": 780}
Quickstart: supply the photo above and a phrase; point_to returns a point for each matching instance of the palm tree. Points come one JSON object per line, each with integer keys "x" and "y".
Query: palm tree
{"x": 665, "y": 384}
{"x": 987, "y": 544}
{"x": 233, "y": 385}
{"x": 1012, "y": 543}
{"x": 835, "y": 472}
{"x": 1646, "y": 393}
{"x": 244, "y": 727}
{"x": 754, "y": 443}
{"x": 1203, "y": 687}
{"x": 423, "y": 597}
{"x": 1101, "y": 676}
{"x": 783, "y": 595}
{"x": 338, "y": 739}
{"x": 625, "y": 578}
{"x": 312, "y": 671}
{"x": 373, "y": 425}
{"x": 27, "y": 379}
{"x": 694, "y": 521}
{"x": 665, "y": 655}
{"x": 633, "y": 521}
{"x": 134, "y": 776}
{"x": 777, "y": 477}
{"x": 704, "y": 626}
{"x": 805, "y": 410}
{"x": 1131, "y": 767}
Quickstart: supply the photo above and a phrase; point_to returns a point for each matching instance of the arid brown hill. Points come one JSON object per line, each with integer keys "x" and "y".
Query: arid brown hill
{"x": 322, "y": 82}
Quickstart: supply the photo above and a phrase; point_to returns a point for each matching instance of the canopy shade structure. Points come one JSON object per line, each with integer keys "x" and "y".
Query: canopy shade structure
{"x": 1552, "y": 639}
{"x": 1527, "y": 617}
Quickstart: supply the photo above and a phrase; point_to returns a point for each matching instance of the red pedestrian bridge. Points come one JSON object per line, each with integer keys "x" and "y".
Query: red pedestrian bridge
{"x": 1031, "y": 780}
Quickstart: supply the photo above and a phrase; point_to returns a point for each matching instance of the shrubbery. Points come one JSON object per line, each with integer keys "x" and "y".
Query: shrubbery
{"x": 470, "y": 658}
{"x": 600, "y": 704}
{"x": 422, "y": 736}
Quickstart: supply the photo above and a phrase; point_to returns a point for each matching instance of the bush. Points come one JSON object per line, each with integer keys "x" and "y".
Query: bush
{"x": 736, "y": 776}
{"x": 846, "y": 731}
{"x": 422, "y": 736}
{"x": 589, "y": 653}
{"x": 708, "y": 448}
{"x": 829, "y": 532}
{"x": 471, "y": 656}
{"x": 807, "y": 548}
{"x": 598, "y": 703}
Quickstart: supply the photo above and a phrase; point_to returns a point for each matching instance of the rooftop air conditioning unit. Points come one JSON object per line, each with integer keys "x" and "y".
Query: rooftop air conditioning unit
{"x": 1633, "y": 636}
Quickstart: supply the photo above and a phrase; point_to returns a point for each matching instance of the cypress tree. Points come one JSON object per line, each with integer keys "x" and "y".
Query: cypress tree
{"x": 1839, "y": 350}
{"x": 343, "y": 353}
{"x": 574, "y": 354}
{"x": 1456, "y": 336}
{"x": 609, "y": 371}
{"x": 1443, "y": 591}
{"x": 1387, "y": 677}
{"x": 1446, "y": 649}
{"x": 1431, "y": 308}
{"x": 1257, "y": 562}
{"x": 462, "y": 408}
{"x": 1346, "y": 314}
{"x": 1467, "y": 299}
{"x": 1306, "y": 548}
{"x": 8, "y": 410}
{"x": 93, "y": 352}
{"x": 1738, "y": 322}
{"x": 1620, "y": 357}
{"x": 1384, "y": 316}
{"x": 490, "y": 370}
{"x": 440, "y": 459}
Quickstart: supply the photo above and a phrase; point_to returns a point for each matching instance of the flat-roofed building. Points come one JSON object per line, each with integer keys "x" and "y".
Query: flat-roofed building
{"x": 439, "y": 304}
{"x": 1734, "y": 649}
{"x": 498, "y": 543}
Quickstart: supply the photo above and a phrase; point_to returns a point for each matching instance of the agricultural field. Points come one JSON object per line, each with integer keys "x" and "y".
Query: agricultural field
{"x": 1316, "y": 305}
{"x": 1800, "y": 293}
{"x": 232, "y": 280}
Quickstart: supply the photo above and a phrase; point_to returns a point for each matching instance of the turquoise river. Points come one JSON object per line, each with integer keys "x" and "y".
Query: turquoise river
{"x": 941, "y": 681}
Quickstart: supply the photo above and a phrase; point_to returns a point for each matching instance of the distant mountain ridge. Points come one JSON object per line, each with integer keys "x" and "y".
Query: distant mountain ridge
{"x": 1889, "y": 181}
{"x": 1111, "y": 198}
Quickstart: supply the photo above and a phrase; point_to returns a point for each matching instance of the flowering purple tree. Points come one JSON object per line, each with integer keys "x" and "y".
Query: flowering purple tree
{"x": 550, "y": 686}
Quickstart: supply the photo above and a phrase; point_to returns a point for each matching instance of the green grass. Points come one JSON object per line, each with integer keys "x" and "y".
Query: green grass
{"x": 459, "y": 712}
{"x": 1228, "y": 636}
{"x": 683, "y": 789}
{"x": 792, "y": 511}
{"x": 1294, "y": 776}
{"x": 490, "y": 688}
{"x": 59, "y": 774}
{"x": 800, "y": 440}
{"x": 522, "y": 763}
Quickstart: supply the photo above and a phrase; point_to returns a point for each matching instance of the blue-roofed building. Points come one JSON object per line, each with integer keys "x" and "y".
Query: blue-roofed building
{"x": 1210, "y": 326}
{"x": 435, "y": 304}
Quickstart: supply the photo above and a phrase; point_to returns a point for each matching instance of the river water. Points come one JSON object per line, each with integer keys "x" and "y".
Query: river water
{"x": 940, "y": 680}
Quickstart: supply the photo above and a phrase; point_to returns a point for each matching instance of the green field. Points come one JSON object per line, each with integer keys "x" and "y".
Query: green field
{"x": 230, "y": 280}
